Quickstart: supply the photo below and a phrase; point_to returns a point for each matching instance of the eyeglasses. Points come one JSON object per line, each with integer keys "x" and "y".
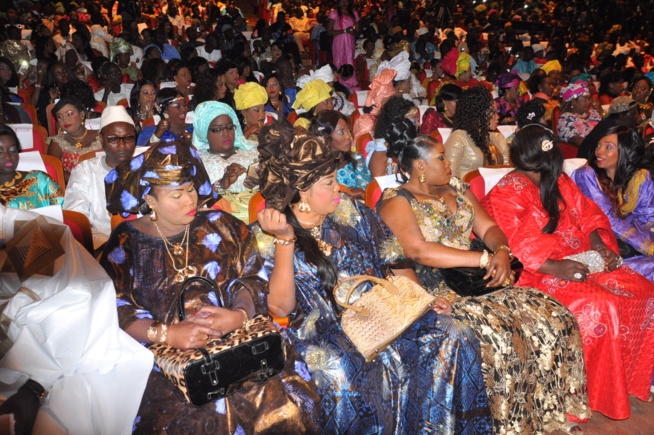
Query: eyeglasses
{"x": 221, "y": 129}
{"x": 127, "y": 140}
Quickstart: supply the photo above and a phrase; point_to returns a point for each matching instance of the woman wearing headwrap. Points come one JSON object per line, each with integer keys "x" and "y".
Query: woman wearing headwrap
{"x": 578, "y": 117}
{"x": 226, "y": 153}
{"x": 314, "y": 98}
{"x": 71, "y": 58}
{"x": 509, "y": 100}
{"x": 457, "y": 66}
{"x": 149, "y": 258}
{"x": 404, "y": 80}
{"x": 310, "y": 237}
{"x": 120, "y": 52}
{"x": 251, "y": 98}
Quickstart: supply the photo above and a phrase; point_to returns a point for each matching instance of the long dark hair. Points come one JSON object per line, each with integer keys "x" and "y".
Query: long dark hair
{"x": 527, "y": 154}
{"x": 135, "y": 93}
{"x": 630, "y": 152}
{"x": 474, "y": 110}
{"x": 327, "y": 273}
{"x": 324, "y": 124}
{"x": 282, "y": 94}
{"x": 394, "y": 108}
{"x": 449, "y": 92}
{"x": 405, "y": 144}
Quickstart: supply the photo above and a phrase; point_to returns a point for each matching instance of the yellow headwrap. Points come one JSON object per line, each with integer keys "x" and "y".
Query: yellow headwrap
{"x": 462, "y": 63}
{"x": 313, "y": 93}
{"x": 250, "y": 94}
{"x": 552, "y": 65}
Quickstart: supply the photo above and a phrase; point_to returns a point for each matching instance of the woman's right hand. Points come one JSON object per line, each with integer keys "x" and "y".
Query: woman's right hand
{"x": 251, "y": 130}
{"x": 232, "y": 172}
{"x": 190, "y": 335}
{"x": 566, "y": 269}
{"x": 274, "y": 222}
{"x": 162, "y": 127}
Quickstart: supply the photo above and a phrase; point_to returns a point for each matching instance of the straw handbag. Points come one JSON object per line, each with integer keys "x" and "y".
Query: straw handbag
{"x": 382, "y": 313}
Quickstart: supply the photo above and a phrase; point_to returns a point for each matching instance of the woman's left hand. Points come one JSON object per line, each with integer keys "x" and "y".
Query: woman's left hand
{"x": 222, "y": 319}
{"x": 499, "y": 269}
{"x": 442, "y": 306}
{"x": 610, "y": 259}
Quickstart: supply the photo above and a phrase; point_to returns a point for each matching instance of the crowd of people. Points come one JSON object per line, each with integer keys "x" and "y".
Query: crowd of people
{"x": 251, "y": 152}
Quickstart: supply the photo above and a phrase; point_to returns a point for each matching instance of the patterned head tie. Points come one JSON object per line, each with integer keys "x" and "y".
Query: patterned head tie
{"x": 164, "y": 164}
{"x": 292, "y": 162}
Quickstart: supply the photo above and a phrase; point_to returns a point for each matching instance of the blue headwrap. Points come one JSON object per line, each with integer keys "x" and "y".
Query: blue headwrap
{"x": 205, "y": 113}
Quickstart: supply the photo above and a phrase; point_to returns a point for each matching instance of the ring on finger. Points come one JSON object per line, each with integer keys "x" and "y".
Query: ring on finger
{"x": 507, "y": 282}
{"x": 578, "y": 275}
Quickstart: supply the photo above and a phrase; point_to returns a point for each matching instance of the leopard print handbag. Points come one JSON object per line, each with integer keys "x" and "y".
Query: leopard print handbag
{"x": 242, "y": 358}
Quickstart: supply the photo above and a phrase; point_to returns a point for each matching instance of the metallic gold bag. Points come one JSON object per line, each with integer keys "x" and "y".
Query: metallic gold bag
{"x": 382, "y": 313}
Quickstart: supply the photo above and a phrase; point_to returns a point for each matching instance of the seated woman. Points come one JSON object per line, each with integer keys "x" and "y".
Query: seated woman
{"x": 210, "y": 87}
{"x": 315, "y": 97}
{"x": 250, "y": 99}
{"x": 611, "y": 87}
{"x": 641, "y": 91}
{"x": 141, "y": 100}
{"x": 18, "y": 189}
{"x": 542, "y": 88}
{"x": 380, "y": 91}
{"x": 168, "y": 184}
{"x": 619, "y": 182}
{"x": 277, "y": 99}
{"x": 310, "y": 237}
{"x": 546, "y": 218}
{"x": 353, "y": 172}
{"x": 523, "y": 332}
{"x": 443, "y": 116}
{"x": 171, "y": 106}
{"x": 76, "y": 140}
{"x": 379, "y": 162}
{"x": 578, "y": 117}
{"x": 226, "y": 154}
{"x": 509, "y": 100}
{"x": 474, "y": 142}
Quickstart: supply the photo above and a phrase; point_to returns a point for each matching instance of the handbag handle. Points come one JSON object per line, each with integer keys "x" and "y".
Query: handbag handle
{"x": 388, "y": 286}
{"x": 186, "y": 284}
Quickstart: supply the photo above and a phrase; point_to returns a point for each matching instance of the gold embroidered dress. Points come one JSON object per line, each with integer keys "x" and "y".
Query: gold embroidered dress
{"x": 30, "y": 190}
{"x": 531, "y": 347}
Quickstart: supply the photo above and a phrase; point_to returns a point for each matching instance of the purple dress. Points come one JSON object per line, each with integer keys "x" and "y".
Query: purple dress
{"x": 636, "y": 228}
{"x": 343, "y": 44}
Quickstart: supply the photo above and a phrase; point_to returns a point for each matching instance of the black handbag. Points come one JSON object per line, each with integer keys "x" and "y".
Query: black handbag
{"x": 469, "y": 281}
{"x": 248, "y": 355}
{"x": 626, "y": 250}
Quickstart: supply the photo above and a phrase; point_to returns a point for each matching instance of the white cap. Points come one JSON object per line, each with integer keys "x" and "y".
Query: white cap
{"x": 113, "y": 114}
{"x": 538, "y": 47}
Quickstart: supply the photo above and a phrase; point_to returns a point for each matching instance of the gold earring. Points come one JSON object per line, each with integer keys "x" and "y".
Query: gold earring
{"x": 245, "y": 121}
{"x": 422, "y": 178}
{"x": 153, "y": 215}
{"x": 304, "y": 207}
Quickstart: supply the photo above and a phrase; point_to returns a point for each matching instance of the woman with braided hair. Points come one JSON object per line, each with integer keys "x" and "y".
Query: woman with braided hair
{"x": 474, "y": 142}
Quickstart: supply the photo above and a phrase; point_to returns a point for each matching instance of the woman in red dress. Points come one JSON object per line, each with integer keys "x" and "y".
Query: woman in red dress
{"x": 546, "y": 219}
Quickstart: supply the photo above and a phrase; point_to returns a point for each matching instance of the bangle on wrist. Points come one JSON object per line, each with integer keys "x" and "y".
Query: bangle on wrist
{"x": 164, "y": 334}
{"x": 245, "y": 314}
{"x": 284, "y": 242}
{"x": 507, "y": 249}
{"x": 485, "y": 259}
{"x": 34, "y": 388}
{"x": 153, "y": 331}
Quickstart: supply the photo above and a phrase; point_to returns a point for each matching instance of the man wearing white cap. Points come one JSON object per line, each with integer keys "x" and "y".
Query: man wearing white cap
{"x": 85, "y": 191}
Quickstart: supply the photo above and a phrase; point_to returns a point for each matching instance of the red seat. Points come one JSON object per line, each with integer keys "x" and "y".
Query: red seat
{"x": 80, "y": 226}
{"x": 55, "y": 170}
{"x": 569, "y": 150}
{"x": 373, "y": 194}
{"x": 362, "y": 141}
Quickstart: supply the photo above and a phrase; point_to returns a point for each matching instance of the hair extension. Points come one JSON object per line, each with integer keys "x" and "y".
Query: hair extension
{"x": 405, "y": 144}
{"x": 474, "y": 110}
{"x": 135, "y": 93}
{"x": 395, "y": 107}
{"x": 527, "y": 155}
{"x": 324, "y": 124}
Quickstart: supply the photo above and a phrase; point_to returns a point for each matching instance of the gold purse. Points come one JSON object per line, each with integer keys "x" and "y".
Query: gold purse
{"x": 382, "y": 313}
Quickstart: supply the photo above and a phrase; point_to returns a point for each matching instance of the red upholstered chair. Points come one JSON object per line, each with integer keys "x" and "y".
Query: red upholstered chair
{"x": 80, "y": 226}
{"x": 569, "y": 150}
{"x": 362, "y": 141}
{"x": 373, "y": 194}
{"x": 556, "y": 114}
{"x": 55, "y": 169}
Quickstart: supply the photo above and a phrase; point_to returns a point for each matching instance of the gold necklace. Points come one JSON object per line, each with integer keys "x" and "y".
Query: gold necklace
{"x": 316, "y": 233}
{"x": 310, "y": 225}
{"x": 187, "y": 271}
{"x": 78, "y": 140}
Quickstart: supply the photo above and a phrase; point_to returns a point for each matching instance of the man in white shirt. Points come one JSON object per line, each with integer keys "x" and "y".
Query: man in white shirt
{"x": 65, "y": 365}
{"x": 210, "y": 50}
{"x": 114, "y": 90}
{"x": 85, "y": 191}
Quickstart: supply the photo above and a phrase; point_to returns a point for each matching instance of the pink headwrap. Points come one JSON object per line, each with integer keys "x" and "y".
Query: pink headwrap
{"x": 449, "y": 62}
{"x": 380, "y": 89}
{"x": 573, "y": 91}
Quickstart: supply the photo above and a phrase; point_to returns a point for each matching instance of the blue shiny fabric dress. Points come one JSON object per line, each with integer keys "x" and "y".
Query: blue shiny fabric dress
{"x": 428, "y": 381}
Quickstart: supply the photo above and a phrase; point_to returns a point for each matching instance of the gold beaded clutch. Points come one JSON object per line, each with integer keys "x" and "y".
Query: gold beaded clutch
{"x": 382, "y": 313}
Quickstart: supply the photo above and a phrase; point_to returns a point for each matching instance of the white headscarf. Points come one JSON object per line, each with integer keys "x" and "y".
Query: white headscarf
{"x": 325, "y": 74}
{"x": 400, "y": 64}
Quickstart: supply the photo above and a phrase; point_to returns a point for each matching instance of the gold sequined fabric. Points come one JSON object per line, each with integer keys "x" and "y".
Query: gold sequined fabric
{"x": 531, "y": 347}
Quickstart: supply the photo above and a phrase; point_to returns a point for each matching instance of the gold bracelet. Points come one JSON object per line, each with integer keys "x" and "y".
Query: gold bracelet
{"x": 485, "y": 259}
{"x": 153, "y": 331}
{"x": 284, "y": 242}
{"x": 245, "y": 313}
{"x": 164, "y": 334}
{"x": 507, "y": 249}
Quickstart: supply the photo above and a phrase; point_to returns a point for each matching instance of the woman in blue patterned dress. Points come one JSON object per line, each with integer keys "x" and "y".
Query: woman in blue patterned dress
{"x": 310, "y": 236}
{"x": 353, "y": 171}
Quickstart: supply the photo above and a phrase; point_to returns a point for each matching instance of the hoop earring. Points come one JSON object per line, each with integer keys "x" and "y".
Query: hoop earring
{"x": 422, "y": 178}
{"x": 304, "y": 207}
{"x": 153, "y": 216}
